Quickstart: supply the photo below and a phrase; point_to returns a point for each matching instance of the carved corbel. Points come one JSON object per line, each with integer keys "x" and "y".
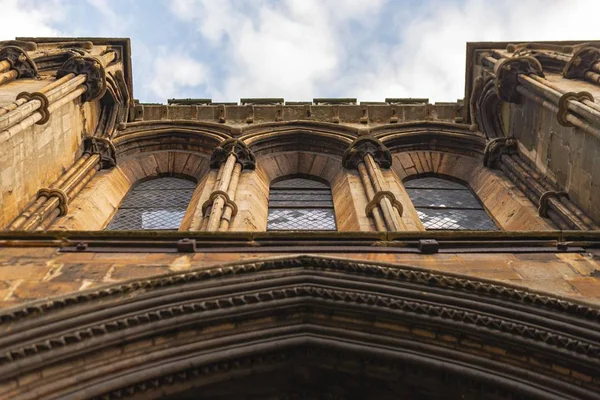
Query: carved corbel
{"x": 495, "y": 148}
{"x": 104, "y": 148}
{"x": 581, "y": 62}
{"x": 91, "y": 66}
{"x": 362, "y": 146}
{"x": 19, "y": 61}
{"x": 507, "y": 73}
{"x": 239, "y": 149}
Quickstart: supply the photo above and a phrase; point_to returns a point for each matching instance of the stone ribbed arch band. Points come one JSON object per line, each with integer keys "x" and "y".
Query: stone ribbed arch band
{"x": 52, "y": 202}
{"x": 397, "y": 330}
{"x": 230, "y": 157}
{"x": 15, "y": 63}
{"x": 368, "y": 155}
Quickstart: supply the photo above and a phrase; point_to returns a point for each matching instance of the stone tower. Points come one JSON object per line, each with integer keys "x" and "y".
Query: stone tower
{"x": 273, "y": 249}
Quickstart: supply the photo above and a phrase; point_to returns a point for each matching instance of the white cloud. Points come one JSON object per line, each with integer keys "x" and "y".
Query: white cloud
{"x": 305, "y": 48}
{"x": 29, "y": 18}
{"x": 175, "y": 72}
{"x": 286, "y": 48}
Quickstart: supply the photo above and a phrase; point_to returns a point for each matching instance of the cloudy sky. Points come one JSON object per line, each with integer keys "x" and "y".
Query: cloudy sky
{"x": 300, "y": 49}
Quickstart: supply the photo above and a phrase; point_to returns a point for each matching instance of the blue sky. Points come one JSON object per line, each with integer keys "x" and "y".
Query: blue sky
{"x": 300, "y": 49}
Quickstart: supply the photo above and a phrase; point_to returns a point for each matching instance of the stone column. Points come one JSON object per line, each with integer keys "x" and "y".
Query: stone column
{"x": 83, "y": 76}
{"x": 15, "y": 63}
{"x": 230, "y": 157}
{"x": 552, "y": 202}
{"x": 518, "y": 77}
{"x": 52, "y": 202}
{"x": 368, "y": 155}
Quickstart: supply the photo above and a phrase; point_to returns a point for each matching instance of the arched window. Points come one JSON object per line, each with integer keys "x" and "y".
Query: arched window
{"x": 154, "y": 204}
{"x": 443, "y": 204}
{"x": 300, "y": 203}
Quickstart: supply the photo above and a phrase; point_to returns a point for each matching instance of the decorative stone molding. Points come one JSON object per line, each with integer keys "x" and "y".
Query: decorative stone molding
{"x": 507, "y": 72}
{"x": 563, "y": 105}
{"x": 238, "y": 148}
{"x": 544, "y": 199}
{"x": 362, "y": 146}
{"x": 104, "y": 148}
{"x": 63, "y": 199}
{"x": 228, "y": 202}
{"x": 450, "y": 318}
{"x": 377, "y": 199}
{"x": 43, "y": 110}
{"x": 495, "y": 148}
{"x": 19, "y": 61}
{"x": 582, "y": 61}
{"x": 93, "y": 68}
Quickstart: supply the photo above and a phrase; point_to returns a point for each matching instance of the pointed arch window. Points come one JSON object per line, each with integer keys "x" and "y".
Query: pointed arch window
{"x": 443, "y": 204}
{"x": 158, "y": 203}
{"x": 300, "y": 203}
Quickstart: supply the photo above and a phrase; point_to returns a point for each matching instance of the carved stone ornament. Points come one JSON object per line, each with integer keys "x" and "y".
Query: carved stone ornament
{"x": 239, "y": 149}
{"x": 581, "y": 62}
{"x": 362, "y": 146}
{"x": 545, "y": 197}
{"x": 63, "y": 199}
{"x": 224, "y": 322}
{"x": 43, "y": 110}
{"x": 495, "y": 148}
{"x": 93, "y": 68}
{"x": 104, "y": 148}
{"x": 19, "y": 61}
{"x": 563, "y": 105}
{"x": 507, "y": 73}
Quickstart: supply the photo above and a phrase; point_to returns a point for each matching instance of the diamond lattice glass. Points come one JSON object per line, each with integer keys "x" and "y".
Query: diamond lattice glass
{"x": 156, "y": 204}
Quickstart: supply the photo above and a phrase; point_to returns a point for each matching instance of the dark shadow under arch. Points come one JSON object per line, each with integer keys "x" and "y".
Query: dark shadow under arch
{"x": 402, "y": 330}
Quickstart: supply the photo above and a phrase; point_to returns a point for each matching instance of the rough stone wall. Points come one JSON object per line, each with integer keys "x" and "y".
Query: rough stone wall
{"x": 35, "y": 273}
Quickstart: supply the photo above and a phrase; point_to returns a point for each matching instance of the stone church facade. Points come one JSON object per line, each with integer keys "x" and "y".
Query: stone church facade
{"x": 273, "y": 249}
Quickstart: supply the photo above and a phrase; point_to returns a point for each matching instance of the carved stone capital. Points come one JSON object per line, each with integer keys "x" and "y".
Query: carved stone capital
{"x": 104, "y": 148}
{"x": 507, "y": 73}
{"x": 356, "y": 153}
{"x": 239, "y": 149}
{"x": 581, "y": 62}
{"x": 91, "y": 66}
{"x": 495, "y": 148}
{"x": 19, "y": 61}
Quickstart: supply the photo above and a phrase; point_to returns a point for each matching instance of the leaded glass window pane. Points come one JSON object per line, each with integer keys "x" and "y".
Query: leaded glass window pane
{"x": 155, "y": 204}
{"x": 446, "y": 205}
{"x": 300, "y": 204}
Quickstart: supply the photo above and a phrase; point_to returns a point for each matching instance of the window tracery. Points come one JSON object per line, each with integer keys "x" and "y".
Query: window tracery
{"x": 443, "y": 204}
{"x": 299, "y": 203}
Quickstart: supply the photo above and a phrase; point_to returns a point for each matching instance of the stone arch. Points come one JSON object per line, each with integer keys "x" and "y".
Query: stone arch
{"x": 253, "y": 188}
{"x": 95, "y": 205}
{"x": 387, "y": 325}
{"x": 510, "y": 209}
